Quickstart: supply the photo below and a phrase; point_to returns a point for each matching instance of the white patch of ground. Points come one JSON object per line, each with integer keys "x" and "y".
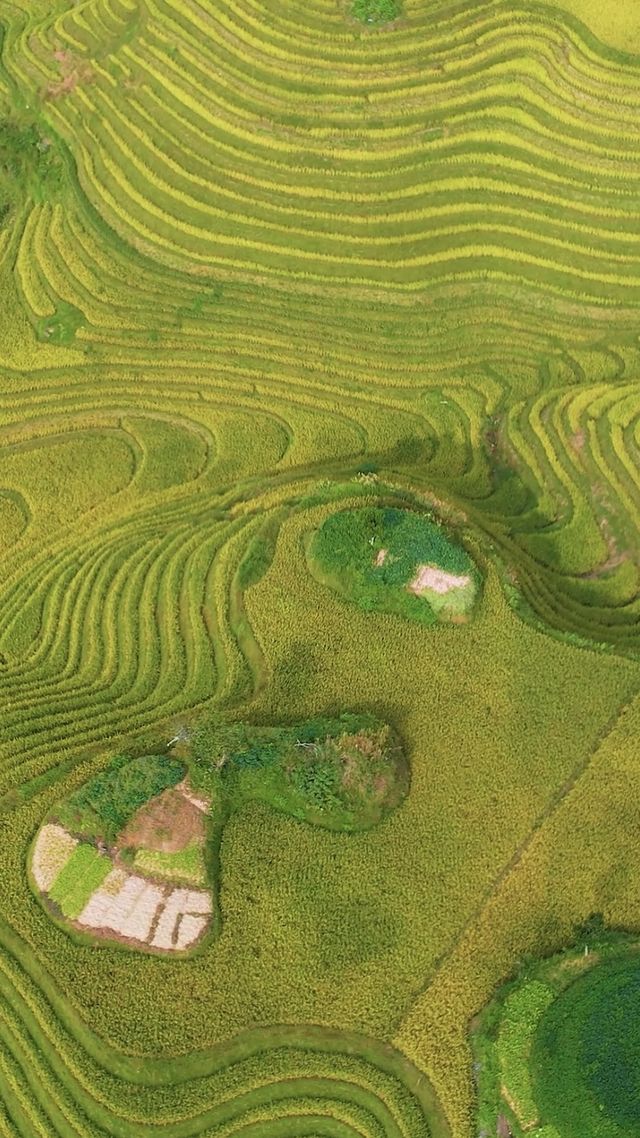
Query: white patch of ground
{"x": 111, "y": 904}
{"x": 430, "y": 578}
{"x": 197, "y": 902}
{"x": 95, "y": 914}
{"x": 139, "y": 920}
{"x": 189, "y": 929}
{"x": 183, "y": 905}
{"x": 381, "y": 557}
{"x": 133, "y": 908}
{"x": 51, "y": 852}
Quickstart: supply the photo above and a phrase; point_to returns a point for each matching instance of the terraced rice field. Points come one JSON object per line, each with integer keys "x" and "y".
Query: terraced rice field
{"x": 260, "y": 262}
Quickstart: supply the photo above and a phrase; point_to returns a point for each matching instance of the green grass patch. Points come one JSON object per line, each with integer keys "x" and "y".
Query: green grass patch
{"x": 521, "y": 1015}
{"x": 256, "y": 560}
{"x": 83, "y": 873}
{"x": 184, "y": 865}
{"x": 376, "y": 11}
{"x": 61, "y": 326}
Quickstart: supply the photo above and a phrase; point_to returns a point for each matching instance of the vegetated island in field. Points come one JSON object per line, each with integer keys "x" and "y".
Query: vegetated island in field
{"x": 392, "y": 560}
{"x": 558, "y": 1050}
{"x": 132, "y": 856}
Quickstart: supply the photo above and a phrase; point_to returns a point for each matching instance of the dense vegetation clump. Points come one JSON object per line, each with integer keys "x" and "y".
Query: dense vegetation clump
{"x": 345, "y": 772}
{"x": 392, "y": 560}
{"x": 30, "y": 163}
{"x": 104, "y": 805}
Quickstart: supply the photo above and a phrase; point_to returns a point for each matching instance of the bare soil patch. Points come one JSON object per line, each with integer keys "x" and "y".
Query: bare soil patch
{"x": 503, "y": 1130}
{"x": 432, "y": 578}
{"x": 166, "y": 824}
{"x": 74, "y": 70}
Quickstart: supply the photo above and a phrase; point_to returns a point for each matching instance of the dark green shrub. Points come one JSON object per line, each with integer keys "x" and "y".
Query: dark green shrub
{"x": 317, "y": 782}
{"x": 259, "y": 754}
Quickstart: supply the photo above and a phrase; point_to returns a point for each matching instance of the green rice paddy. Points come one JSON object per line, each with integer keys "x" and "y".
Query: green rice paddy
{"x": 186, "y": 865}
{"x": 586, "y": 1054}
{"x": 557, "y": 1052}
{"x": 267, "y": 269}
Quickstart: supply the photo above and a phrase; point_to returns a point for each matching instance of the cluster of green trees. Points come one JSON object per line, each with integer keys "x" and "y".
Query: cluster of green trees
{"x": 371, "y": 555}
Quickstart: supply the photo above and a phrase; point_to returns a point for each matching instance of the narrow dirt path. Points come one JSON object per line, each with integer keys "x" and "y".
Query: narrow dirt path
{"x": 556, "y": 799}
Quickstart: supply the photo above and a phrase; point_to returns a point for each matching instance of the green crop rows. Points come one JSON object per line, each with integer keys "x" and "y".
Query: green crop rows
{"x": 557, "y": 1049}
{"x": 264, "y": 263}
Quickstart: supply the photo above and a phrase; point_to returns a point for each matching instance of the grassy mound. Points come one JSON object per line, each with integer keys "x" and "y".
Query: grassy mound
{"x": 345, "y": 773}
{"x": 30, "y": 164}
{"x": 391, "y": 560}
